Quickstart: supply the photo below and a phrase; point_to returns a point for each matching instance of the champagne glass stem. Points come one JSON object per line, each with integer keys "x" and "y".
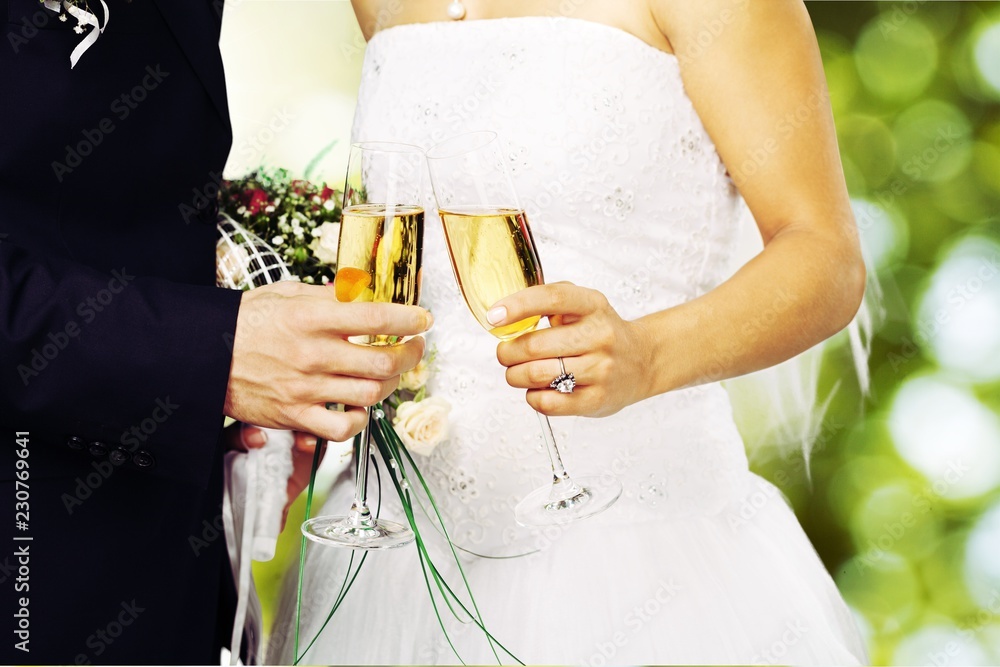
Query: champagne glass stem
{"x": 361, "y": 516}
{"x": 563, "y": 486}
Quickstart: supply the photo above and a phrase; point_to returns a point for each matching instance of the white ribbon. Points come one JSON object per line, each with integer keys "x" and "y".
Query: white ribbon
{"x": 253, "y": 504}
{"x": 84, "y": 18}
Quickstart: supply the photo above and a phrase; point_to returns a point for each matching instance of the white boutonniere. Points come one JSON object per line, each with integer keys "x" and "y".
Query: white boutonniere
{"x": 79, "y": 10}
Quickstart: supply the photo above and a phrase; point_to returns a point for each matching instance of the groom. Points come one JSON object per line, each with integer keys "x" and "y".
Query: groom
{"x": 118, "y": 357}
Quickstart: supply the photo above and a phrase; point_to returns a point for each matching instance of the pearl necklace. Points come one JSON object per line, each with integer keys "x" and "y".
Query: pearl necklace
{"x": 456, "y": 10}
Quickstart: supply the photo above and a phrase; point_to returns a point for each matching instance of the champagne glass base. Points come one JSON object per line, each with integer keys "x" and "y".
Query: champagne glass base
{"x": 589, "y": 496}
{"x": 343, "y": 531}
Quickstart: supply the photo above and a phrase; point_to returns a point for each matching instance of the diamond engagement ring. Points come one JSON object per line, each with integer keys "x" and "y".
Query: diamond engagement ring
{"x": 566, "y": 382}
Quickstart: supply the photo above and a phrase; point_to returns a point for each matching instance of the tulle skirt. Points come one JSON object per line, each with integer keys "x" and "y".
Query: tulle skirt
{"x": 742, "y": 586}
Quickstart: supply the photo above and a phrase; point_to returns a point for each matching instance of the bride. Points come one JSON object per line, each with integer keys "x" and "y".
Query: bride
{"x": 635, "y": 130}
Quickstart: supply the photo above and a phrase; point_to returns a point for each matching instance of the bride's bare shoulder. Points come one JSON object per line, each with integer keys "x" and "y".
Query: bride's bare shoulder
{"x": 689, "y": 24}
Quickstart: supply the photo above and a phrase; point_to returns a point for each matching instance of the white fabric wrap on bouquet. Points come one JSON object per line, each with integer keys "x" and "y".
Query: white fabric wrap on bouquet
{"x": 253, "y": 503}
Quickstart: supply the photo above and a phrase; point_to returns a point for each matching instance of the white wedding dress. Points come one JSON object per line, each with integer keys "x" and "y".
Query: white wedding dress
{"x": 700, "y": 561}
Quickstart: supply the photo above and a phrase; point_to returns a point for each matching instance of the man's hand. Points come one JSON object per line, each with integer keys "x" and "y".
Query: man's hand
{"x": 291, "y": 357}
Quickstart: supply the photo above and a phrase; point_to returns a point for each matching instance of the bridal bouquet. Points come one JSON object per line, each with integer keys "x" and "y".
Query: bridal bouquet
{"x": 276, "y": 228}
{"x": 299, "y": 220}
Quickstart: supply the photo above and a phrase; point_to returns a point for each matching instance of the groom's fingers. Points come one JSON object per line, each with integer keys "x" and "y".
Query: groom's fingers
{"x": 331, "y": 425}
{"x": 351, "y": 319}
{"x": 348, "y": 390}
{"x": 290, "y": 340}
{"x": 359, "y": 361}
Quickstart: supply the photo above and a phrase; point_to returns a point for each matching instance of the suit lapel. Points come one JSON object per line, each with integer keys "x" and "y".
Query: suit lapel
{"x": 196, "y": 25}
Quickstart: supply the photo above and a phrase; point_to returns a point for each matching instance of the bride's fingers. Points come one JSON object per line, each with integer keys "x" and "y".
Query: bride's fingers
{"x": 242, "y": 437}
{"x": 540, "y": 374}
{"x": 305, "y": 443}
{"x": 542, "y": 300}
{"x": 565, "y": 341}
{"x": 583, "y": 401}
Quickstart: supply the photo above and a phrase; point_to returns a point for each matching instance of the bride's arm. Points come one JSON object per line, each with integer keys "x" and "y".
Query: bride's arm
{"x": 760, "y": 69}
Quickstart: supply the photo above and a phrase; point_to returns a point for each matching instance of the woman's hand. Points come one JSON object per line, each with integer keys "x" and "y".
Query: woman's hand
{"x": 609, "y": 357}
{"x": 243, "y": 437}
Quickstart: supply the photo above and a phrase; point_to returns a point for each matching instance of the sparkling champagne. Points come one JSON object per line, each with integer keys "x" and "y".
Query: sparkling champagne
{"x": 378, "y": 258}
{"x": 494, "y": 256}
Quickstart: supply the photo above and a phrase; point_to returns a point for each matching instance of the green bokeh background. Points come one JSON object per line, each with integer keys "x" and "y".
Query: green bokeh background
{"x": 914, "y": 547}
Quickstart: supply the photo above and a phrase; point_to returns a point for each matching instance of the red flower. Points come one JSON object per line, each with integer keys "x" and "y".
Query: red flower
{"x": 327, "y": 193}
{"x": 256, "y": 201}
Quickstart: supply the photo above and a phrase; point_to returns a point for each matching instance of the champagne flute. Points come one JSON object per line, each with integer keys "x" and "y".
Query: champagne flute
{"x": 378, "y": 260}
{"x": 494, "y": 256}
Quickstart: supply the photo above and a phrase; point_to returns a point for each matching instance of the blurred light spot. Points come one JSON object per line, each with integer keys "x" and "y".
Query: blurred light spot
{"x": 855, "y": 478}
{"x": 896, "y": 517}
{"x": 943, "y": 572}
{"x": 886, "y": 589}
{"x": 982, "y": 566}
{"x": 959, "y": 201}
{"x": 884, "y": 239}
{"x": 946, "y": 434}
{"x": 855, "y": 178}
{"x": 871, "y": 146}
{"x": 940, "y": 645}
{"x": 933, "y": 142}
{"x": 986, "y": 159}
{"x": 896, "y": 59}
{"x": 958, "y": 318}
{"x": 987, "y": 54}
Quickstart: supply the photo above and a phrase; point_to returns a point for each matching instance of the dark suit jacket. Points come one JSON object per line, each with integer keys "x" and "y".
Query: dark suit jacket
{"x": 114, "y": 345}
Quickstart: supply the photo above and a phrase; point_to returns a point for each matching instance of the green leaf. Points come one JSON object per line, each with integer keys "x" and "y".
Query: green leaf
{"x": 311, "y": 167}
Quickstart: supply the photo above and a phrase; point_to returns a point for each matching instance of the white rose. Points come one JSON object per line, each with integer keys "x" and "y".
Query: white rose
{"x": 414, "y": 380}
{"x": 422, "y": 426}
{"x": 327, "y": 239}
